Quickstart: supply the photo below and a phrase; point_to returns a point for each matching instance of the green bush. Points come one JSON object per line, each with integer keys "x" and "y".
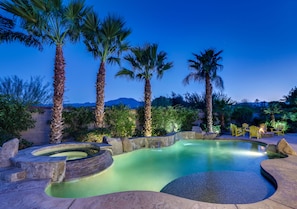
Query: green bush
{"x": 172, "y": 119}
{"x": 242, "y": 114}
{"x": 216, "y": 129}
{"x": 24, "y": 144}
{"x": 187, "y": 116}
{"x": 77, "y": 120}
{"x": 282, "y": 124}
{"x": 120, "y": 121}
{"x": 95, "y": 135}
{"x": 14, "y": 118}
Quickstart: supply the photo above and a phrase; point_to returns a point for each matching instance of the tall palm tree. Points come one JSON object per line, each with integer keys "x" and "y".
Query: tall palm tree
{"x": 146, "y": 61}
{"x": 8, "y": 34}
{"x": 53, "y": 23}
{"x": 205, "y": 68}
{"x": 106, "y": 41}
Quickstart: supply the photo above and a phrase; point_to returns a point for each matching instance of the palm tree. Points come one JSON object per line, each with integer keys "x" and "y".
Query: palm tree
{"x": 7, "y": 34}
{"x": 205, "y": 68}
{"x": 146, "y": 61}
{"x": 53, "y": 23}
{"x": 106, "y": 41}
{"x": 222, "y": 106}
{"x": 272, "y": 109}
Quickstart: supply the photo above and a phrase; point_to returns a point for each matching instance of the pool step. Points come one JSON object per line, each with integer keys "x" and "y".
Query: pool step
{"x": 12, "y": 174}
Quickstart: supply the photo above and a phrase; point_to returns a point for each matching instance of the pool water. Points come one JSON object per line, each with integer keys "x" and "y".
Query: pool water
{"x": 153, "y": 169}
{"x": 71, "y": 155}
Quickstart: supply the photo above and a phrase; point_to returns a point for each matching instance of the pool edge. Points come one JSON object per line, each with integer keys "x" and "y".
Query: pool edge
{"x": 31, "y": 194}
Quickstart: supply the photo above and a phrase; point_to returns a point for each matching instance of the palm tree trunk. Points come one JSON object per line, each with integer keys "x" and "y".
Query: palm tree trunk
{"x": 59, "y": 85}
{"x": 147, "y": 108}
{"x": 208, "y": 97}
{"x": 100, "y": 85}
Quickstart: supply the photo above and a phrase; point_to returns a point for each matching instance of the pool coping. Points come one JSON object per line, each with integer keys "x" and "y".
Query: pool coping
{"x": 30, "y": 194}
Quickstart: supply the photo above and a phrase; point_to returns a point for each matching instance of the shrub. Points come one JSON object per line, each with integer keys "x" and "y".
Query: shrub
{"x": 77, "y": 120}
{"x": 120, "y": 120}
{"x": 242, "y": 114}
{"x": 24, "y": 144}
{"x": 172, "y": 119}
{"x": 216, "y": 129}
{"x": 95, "y": 135}
{"x": 14, "y": 118}
{"x": 282, "y": 124}
{"x": 28, "y": 93}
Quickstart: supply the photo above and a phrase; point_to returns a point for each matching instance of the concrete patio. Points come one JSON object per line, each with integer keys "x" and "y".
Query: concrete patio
{"x": 30, "y": 194}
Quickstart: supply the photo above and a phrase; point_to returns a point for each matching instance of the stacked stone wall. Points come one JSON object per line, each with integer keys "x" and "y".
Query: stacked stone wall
{"x": 88, "y": 166}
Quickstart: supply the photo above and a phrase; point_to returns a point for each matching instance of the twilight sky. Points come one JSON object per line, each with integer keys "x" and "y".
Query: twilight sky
{"x": 258, "y": 39}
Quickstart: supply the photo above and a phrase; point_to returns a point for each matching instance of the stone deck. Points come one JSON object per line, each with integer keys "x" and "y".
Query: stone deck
{"x": 30, "y": 194}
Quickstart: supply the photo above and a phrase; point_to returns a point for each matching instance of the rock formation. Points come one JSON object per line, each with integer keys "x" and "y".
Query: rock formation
{"x": 284, "y": 147}
{"x": 8, "y": 151}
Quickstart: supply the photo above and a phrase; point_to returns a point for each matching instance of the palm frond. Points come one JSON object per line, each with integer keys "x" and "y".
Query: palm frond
{"x": 124, "y": 72}
{"x": 219, "y": 82}
{"x": 205, "y": 65}
{"x": 108, "y": 36}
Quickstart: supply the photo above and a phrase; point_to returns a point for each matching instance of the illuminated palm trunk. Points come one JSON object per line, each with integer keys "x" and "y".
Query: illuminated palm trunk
{"x": 59, "y": 84}
{"x": 100, "y": 84}
{"x": 147, "y": 109}
{"x": 208, "y": 97}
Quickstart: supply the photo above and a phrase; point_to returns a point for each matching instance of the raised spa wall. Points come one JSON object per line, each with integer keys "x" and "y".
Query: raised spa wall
{"x": 58, "y": 168}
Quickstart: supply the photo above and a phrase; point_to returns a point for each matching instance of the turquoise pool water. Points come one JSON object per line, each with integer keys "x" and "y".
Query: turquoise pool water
{"x": 153, "y": 169}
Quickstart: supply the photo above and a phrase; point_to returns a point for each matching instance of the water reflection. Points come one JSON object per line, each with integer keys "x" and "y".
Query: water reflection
{"x": 152, "y": 169}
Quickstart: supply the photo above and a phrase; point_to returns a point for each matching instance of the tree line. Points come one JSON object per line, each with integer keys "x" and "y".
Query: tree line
{"x": 53, "y": 22}
{"x": 57, "y": 23}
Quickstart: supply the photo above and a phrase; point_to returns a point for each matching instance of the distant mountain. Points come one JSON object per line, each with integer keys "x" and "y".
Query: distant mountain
{"x": 130, "y": 102}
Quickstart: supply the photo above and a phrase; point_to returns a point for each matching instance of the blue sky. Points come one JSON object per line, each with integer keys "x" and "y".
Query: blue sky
{"x": 258, "y": 39}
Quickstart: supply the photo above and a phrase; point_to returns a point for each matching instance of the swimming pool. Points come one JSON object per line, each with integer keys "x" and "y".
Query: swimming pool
{"x": 153, "y": 169}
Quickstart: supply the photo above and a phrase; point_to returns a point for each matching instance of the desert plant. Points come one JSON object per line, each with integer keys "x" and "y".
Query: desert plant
{"x": 29, "y": 93}
{"x": 242, "y": 114}
{"x": 186, "y": 117}
{"x": 120, "y": 120}
{"x": 172, "y": 119}
{"x": 216, "y": 129}
{"x": 94, "y": 135}
{"x": 77, "y": 120}
{"x": 277, "y": 124}
{"x": 24, "y": 144}
{"x": 14, "y": 118}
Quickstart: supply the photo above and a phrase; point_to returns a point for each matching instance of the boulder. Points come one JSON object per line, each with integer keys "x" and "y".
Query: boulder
{"x": 209, "y": 136}
{"x": 116, "y": 145}
{"x": 271, "y": 148}
{"x": 127, "y": 145}
{"x": 8, "y": 151}
{"x": 284, "y": 148}
{"x": 138, "y": 143}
